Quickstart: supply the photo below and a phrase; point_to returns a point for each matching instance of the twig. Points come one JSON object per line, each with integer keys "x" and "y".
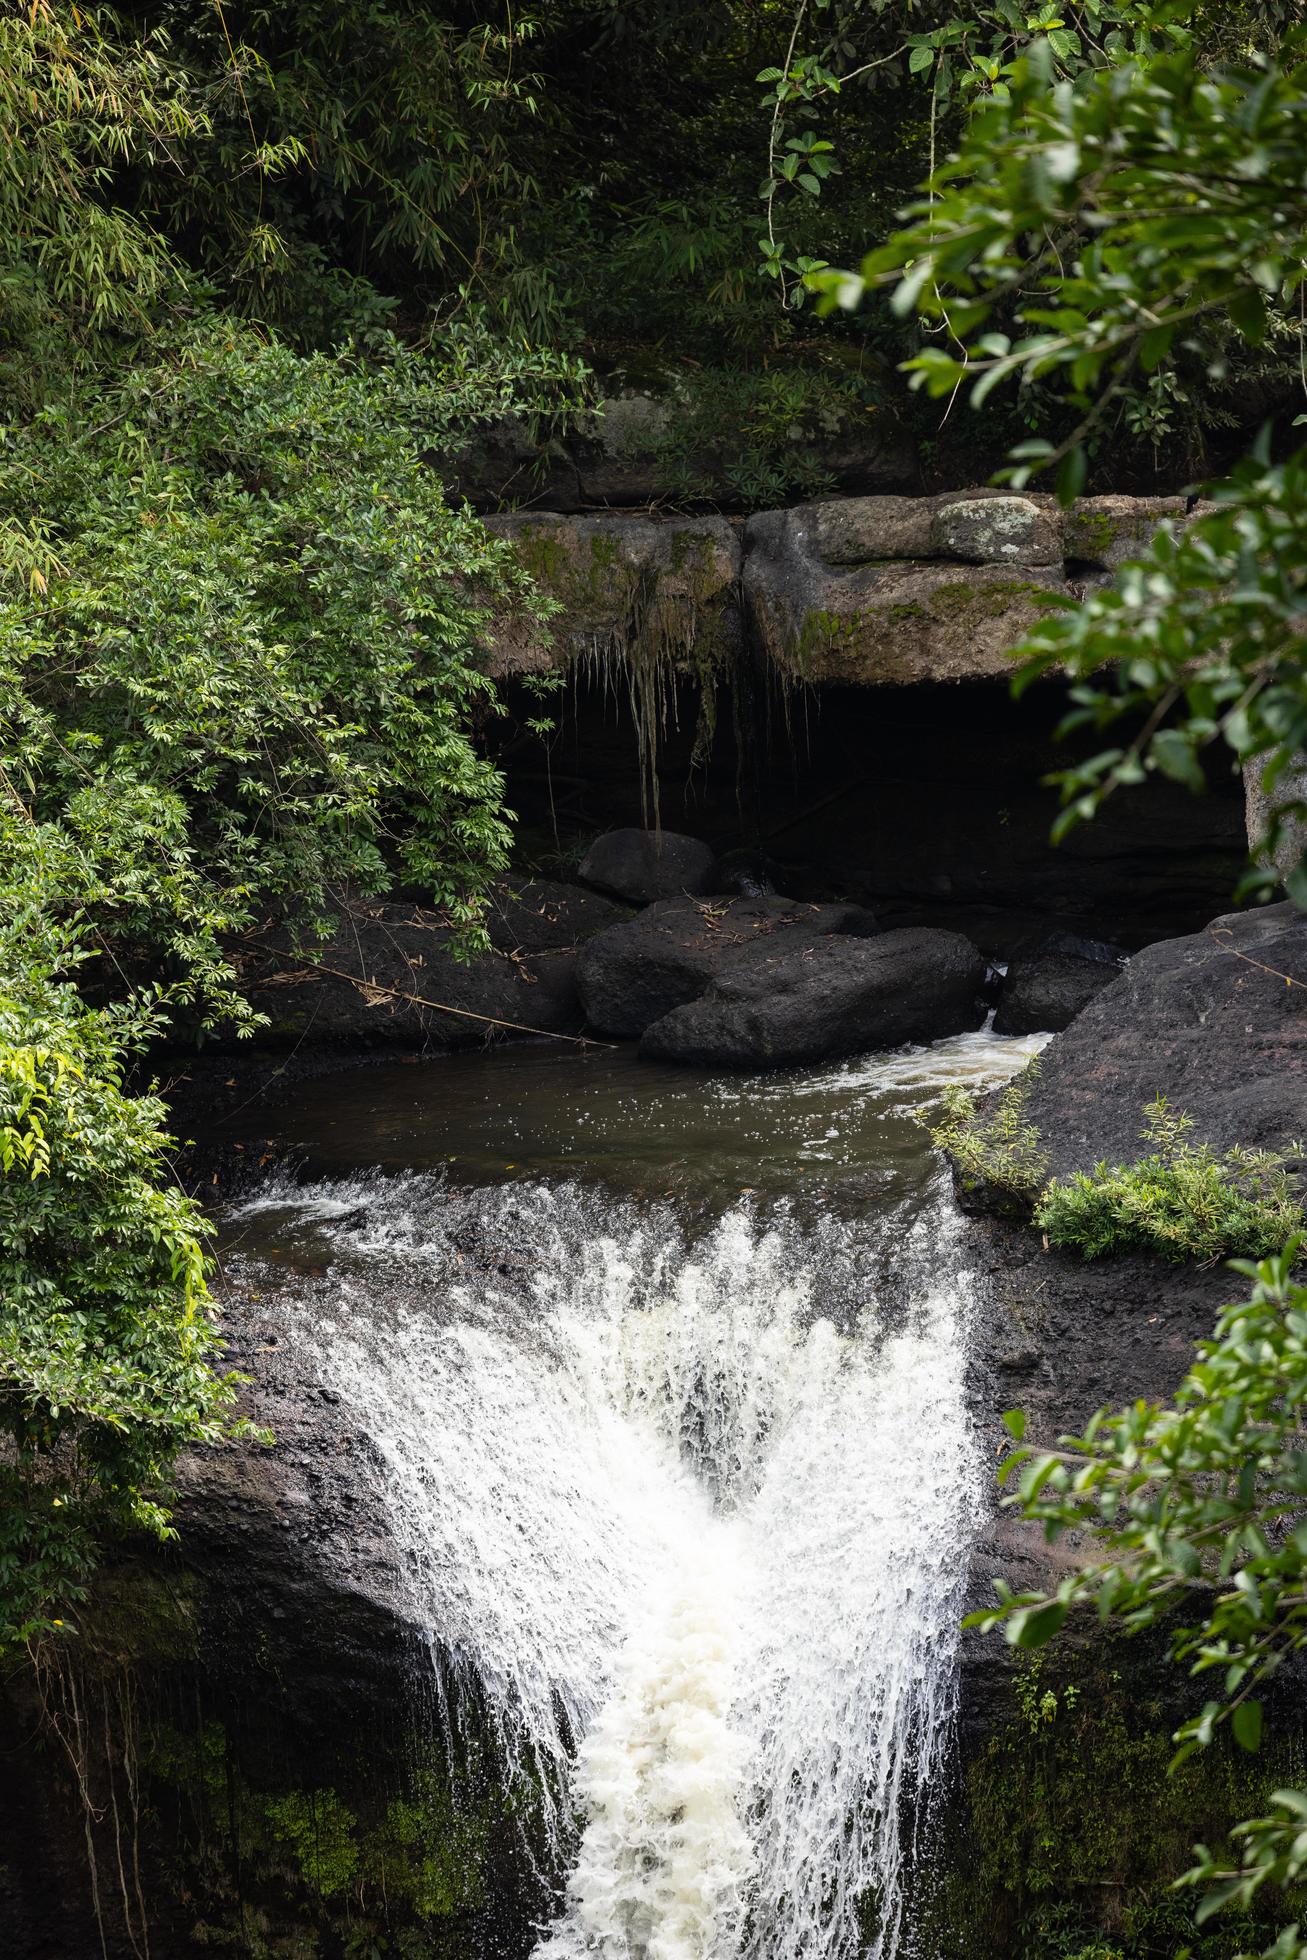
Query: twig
{"x": 442, "y": 1007}
{"x": 1223, "y": 932}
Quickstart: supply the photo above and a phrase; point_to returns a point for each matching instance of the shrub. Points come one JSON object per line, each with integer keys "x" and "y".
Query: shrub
{"x": 105, "y": 1336}
{"x": 1183, "y": 1201}
{"x": 245, "y": 669}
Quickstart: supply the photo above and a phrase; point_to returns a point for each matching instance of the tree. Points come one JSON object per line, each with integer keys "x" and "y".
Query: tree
{"x": 241, "y": 628}
{"x": 106, "y": 1337}
{"x": 243, "y": 670}
{"x": 1083, "y": 237}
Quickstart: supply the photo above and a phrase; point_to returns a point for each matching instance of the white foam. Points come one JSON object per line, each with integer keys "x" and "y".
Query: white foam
{"x": 684, "y": 1503}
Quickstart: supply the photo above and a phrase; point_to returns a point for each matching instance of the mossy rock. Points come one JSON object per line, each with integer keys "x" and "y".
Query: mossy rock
{"x": 1070, "y": 1829}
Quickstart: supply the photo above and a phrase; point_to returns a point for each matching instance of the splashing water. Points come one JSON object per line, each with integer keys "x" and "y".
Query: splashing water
{"x": 688, "y": 1520}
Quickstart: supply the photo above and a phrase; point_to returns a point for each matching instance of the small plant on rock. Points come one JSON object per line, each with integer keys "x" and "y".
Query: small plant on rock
{"x": 1184, "y": 1201}
{"x": 998, "y": 1148}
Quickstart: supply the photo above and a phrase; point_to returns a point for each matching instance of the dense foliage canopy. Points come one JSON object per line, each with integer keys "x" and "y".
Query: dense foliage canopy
{"x": 105, "y": 1339}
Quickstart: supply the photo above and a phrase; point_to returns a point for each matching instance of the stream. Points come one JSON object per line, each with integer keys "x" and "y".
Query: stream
{"x": 668, "y": 1378}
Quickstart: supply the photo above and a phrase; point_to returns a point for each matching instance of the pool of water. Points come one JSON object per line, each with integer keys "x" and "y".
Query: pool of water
{"x": 851, "y": 1129}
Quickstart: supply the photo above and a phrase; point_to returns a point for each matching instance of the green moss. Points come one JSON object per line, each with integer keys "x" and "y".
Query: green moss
{"x": 827, "y": 633}
{"x": 988, "y": 601}
{"x": 1071, "y": 1829}
{"x": 432, "y": 1853}
{"x": 411, "y": 1860}
{"x": 1091, "y": 534}
{"x": 691, "y": 551}
{"x": 863, "y": 630}
{"x": 319, "y": 1834}
{"x": 586, "y": 581}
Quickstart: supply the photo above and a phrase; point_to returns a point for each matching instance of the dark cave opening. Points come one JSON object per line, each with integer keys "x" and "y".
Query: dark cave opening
{"x": 928, "y": 803}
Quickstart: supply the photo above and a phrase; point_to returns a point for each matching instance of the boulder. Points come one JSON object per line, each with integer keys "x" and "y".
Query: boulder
{"x": 861, "y": 589}
{"x": 982, "y": 526}
{"x": 1045, "y": 989}
{"x": 643, "y": 865}
{"x": 389, "y": 977}
{"x": 540, "y": 915}
{"x": 891, "y": 590}
{"x": 619, "y": 448}
{"x": 746, "y": 874}
{"x": 502, "y": 463}
{"x": 836, "y": 996}
{"x": 1207, "y": 1021}
{"x": 634, "y": 974}
{"x": 1102, "y": 533}
{"x": 997, "y": 530}
{"x": 641, "y": 588}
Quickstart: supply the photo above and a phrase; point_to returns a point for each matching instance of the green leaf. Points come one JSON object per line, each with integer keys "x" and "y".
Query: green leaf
{"x": 1154, "y": 346}
{"x": 1246, "y": 1722}
{"x": 920, "y": 59}
{"x": 1014, "y": 1421}
{"x": 1247, "y": 311}
{"x": 1071, "y": 476}
{"x": 1035, "y": 1626}
{"x": 1174, "y": 755}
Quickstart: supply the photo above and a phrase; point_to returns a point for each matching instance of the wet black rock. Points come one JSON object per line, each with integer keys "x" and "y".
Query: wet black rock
{"x": 540, "y": 915}
{"x": 835, "y": 996}
{"x": 641, "y": 866}
{"x": 634, "y": 974}
{"x": 1045, "y": 989}
{"x": 389, "y": 977}
{"x": 1216, "y": 1022}
{"x": 746, "y": 874}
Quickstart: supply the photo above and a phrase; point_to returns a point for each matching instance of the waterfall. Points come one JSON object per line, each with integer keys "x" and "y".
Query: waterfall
{"x": 686, "y": 1514}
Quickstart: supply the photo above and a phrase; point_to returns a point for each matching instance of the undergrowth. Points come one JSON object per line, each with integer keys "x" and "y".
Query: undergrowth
{"x": 999, "y": 1149}
{"x": 1181, "y": 1201}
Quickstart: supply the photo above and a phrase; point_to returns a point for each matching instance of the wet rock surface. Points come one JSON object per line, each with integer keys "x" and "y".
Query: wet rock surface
{"x": 542, "y": 915}
{"x": 390, "y": 977}
{"x": 883, "y": 619}
{"x": 861, "y": 590}
{"x": 1045, "y": 989}
{"x": 1208, "y": 1021}
{"x": 835, "y": 996}
{"x": 643, "y": 865}
{"x": 1063, "y": 1337}
{"x": 1215, "y": 1021}
{"x": 634, "y": 974}
{"x": 645, "y": 589}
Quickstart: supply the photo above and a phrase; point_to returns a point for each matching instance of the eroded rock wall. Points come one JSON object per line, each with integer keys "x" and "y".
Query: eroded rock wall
{"x": 862, "y": 591}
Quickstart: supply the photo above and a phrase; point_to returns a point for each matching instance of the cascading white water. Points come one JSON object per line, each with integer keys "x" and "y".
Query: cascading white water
{"x": 699, "y": 1506}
